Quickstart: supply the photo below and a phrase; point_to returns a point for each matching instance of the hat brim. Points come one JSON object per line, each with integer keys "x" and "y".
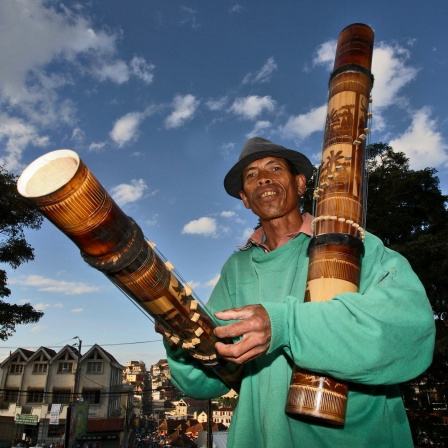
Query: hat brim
{"x": 233, "y": 182}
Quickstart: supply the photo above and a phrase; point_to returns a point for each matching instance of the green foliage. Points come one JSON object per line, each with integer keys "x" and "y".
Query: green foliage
{"x": 16, "y": 214}
{"x": 407, "y": 210}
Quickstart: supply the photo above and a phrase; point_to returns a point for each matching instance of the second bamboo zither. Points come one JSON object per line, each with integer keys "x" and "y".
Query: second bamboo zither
{"x": 336, "y": 247}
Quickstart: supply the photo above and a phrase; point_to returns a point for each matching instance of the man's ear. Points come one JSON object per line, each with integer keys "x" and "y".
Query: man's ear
{"x": 301, "y": 184}
{"x": 244, "y": 199}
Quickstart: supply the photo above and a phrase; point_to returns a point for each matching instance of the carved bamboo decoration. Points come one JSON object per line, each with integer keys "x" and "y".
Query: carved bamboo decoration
{"x": 337, "y": 247}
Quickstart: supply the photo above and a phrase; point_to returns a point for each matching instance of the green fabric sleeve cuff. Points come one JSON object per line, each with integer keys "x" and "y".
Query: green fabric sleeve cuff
{"x": 278, "y": 313}
{"x": 175, "y": 353}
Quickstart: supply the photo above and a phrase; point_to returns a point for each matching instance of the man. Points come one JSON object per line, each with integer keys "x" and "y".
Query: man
{"x": 371, "y": 340}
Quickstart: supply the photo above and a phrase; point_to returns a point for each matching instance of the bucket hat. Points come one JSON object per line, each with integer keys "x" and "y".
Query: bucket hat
{"x": 257, "y": 148}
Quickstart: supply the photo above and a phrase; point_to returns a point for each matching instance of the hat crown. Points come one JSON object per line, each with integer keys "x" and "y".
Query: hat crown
{"x": 253, "y": 145}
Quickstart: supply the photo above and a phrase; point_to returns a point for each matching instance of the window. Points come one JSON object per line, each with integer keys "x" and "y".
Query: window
{"x": 65, "y": 367}
{"x": 61, "y": 396}
{"x": 91, "y": 395}
{"x": 35, "y": 396}
{"x": 16, "y": 368}
{"x": 40, "y": 367}
{"x": 12, "y": 396}
{"x": 95, "y": 367}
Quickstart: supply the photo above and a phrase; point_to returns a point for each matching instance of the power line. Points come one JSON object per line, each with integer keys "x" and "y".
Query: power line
{"x": 101, "y": 345}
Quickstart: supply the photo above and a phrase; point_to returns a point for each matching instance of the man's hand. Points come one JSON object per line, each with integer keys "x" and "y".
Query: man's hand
{"x": 255, "y": 328}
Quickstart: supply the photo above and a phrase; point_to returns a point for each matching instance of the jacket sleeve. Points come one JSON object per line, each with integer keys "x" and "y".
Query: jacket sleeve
{"x": 189, "y": 376}
{"x": 382, "y": 335}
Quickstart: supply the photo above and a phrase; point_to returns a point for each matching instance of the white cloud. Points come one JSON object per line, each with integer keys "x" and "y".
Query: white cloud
{"x": 41, "y": 306}
{"x": 218, "y": 104}
{"x": 194, "y": 285}
{"x": 228, "y": 214}
{"x": 38, "y": 328}
{"x": 184, "y": 108}
{"x": 15, "y": 136}
{"x": 324, "y": 54}
{"x": 126, "y": 193}
{"x": 125, "y": 129}
{"x": 259, "y": 127}
{"x": 202, "y": 226}
{"x": 29, "y": 27}
{"x": 59, "y": 286}
{"x": 422, "y": 142}
{"x": 97, "y": 146}
{"x": 212, "y": 282}
{"x": 115, "y": 71}
{"x": 252, "y": 106}
{"x": 77, "y": 310}
{"x": 263, "y": 75}
{"x": 77, "y": 135}
{"x": 237, "y": 8}
{"x": 391, "y": 72}
{"x": 142, "y": 69}
{"x": 303, "y": 125}
{"x": 247, "y": 232}
{"x": 28, "y": 89}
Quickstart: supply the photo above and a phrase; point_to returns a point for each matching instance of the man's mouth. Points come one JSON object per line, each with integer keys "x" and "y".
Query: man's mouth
{"x": 268, "y": 193}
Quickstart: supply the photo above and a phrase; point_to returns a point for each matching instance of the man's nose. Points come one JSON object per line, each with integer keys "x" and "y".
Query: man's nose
{"x": 264, "y": 180}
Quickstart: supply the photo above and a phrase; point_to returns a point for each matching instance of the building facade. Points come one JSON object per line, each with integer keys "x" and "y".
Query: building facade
{"x": 38, "y": 387}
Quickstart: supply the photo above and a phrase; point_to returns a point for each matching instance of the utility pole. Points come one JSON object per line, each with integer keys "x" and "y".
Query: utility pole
{"x": 78, "y": 369}
{"x": 209, "y": 425}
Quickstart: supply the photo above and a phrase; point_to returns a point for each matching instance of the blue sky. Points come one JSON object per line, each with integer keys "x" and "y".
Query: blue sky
{"x": 158, "y": 97}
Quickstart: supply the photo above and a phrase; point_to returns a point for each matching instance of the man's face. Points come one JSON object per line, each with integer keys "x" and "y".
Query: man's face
{"x": 270, "y": 190}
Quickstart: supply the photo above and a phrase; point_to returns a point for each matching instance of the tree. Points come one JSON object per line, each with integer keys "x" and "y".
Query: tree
{"x": 407, "y": 210}
{"x": 16, "y": 214}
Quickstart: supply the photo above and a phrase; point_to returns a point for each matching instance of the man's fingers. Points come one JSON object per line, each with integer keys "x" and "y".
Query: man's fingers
{"x": 238, "y": 353}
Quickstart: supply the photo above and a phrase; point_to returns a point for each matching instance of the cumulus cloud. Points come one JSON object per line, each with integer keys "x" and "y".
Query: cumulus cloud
{"x": 263, "y": 75}
{"x": 324, "y": 54}
{"x": 51, "y": 285}
{"x": 422, "y": 142}
{"x": 259, "y": 128}
{"x": 28, "y": 89}
{"x": 127, "y": 193}
{"x": 390, "y": 66}
{"x": 202, "y": 226}
{"x": 15, "y": 135}
{"x": 228, "y": 214}
{"x": 252, "y": 106}
{"x": 142, "y": 69}
{"x": 303, "y": 125}
{"x": 126, "y": 128}
{"x": 184, "y": 108}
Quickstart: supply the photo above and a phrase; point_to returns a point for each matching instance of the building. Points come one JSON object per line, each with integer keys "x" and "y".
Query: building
{"x": 134, "y": 375}
{"x": 32, "y": 382}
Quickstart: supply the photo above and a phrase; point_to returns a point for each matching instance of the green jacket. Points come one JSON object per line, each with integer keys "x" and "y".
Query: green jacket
{"x": 374, "y": 339}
